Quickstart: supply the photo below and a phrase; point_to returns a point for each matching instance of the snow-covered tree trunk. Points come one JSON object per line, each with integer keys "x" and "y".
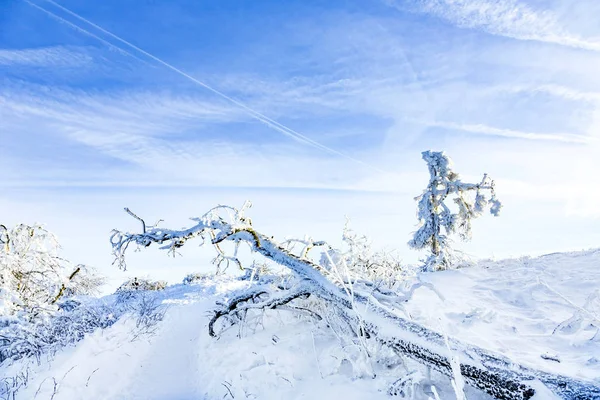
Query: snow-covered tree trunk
{"x": 376, "y": 312}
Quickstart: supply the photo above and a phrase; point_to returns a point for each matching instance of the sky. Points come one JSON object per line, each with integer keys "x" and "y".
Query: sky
{"x": 314, "y": 110}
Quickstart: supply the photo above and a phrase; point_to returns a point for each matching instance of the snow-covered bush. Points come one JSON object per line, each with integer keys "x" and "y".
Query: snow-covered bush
{"x": 136, "y": 283}
{"x": 195, "y": 277}
{"x": 131, "y": 287}
{"x": 43, "y": 304}
{"x": 437, "y": 220}
{"x": 33, "y": 277}
{"x": 23, "y": 338}
{"x": 148, "y": 311}
{"x": 359, "y": 261}
{"x": 20, "y": 337}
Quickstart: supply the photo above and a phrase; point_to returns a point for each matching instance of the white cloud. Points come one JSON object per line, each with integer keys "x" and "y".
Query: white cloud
{"x": 564, "y": 92}
{"x": 165, "y": 139}
{"x": 138, "y": 111}
{"x": 511, "y": 133}
{"x": 509, "y": 18}
{"x": 379, "y": 77}
{"x": 47, "y": 57}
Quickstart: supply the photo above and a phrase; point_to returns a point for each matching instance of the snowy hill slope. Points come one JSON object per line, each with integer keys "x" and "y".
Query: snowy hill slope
{"x": 510, "y": 307}
{"x": 514, "y": 306}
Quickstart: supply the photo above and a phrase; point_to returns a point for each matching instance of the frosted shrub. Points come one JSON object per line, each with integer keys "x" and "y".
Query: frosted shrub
{"x": 256, "y": 271}
{"x": 23, "y": 338}
{"x": 358, "y": 261}
{"x": 141, "y": 284}
{"x": 33, "y": 277}
{"x": 133, "y": 286}
{"x": 195, "y": 277}
{"x": 436, "y": 218}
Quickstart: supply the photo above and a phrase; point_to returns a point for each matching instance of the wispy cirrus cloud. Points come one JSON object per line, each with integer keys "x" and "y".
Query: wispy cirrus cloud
{"x": 371, "y": 86}
{"x": 134, "y": 111}
{"x": 561, "y": 91}
{"x": 482, "y": 129}
{"x": 510, "y": 89}
{"x": 160, "y": 138}
{"x": 509, "y": 18}
{"x": 47, "y": 57}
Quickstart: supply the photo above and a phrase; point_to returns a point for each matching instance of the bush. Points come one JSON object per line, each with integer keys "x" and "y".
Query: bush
{"x": 24, "y": 338}
{"x": 21, "y": 337}
{"x": 131, "y": 287}
{"x": 358, "y": 261}
{"x": 33, "y": 277}
{"x": 195, "y": 277}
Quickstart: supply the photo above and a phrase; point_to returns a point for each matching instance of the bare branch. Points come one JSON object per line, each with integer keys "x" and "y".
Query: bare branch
{"x": 128, "y": 211}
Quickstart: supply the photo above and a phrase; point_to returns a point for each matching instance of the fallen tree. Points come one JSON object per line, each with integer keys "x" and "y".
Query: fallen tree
{"x": 373, "y": 312}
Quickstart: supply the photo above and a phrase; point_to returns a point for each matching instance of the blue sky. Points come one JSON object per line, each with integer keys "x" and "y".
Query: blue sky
{"x": 89, "y": 125}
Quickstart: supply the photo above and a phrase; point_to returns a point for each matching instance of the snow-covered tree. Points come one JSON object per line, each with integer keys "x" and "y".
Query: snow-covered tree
{"x": 438, "y": 220}
{"x": 33, "y": 277}
{"x": 366, "y": 310}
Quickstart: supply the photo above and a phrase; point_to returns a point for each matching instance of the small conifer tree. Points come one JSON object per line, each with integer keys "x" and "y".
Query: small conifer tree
{"x": 437, "y": 220}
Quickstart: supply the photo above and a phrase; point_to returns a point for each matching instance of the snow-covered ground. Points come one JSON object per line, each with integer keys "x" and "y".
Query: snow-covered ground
{"x": 512, "y": 307}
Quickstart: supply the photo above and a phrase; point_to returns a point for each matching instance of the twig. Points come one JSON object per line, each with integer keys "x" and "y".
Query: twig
{"x": 66, "y": 373}
{"x": 316, "y": 355}
{"x": 228, "y": 389}
{"x": 39, "y": 388}
{"x": 89, "y": 377}
{"x": 581, "y": 309}
{"x": 128, "y": 211}
{"x": 55, "y": 391}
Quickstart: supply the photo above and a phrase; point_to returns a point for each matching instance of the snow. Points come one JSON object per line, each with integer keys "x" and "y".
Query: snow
{"x": 182, "y": 362}
{"x": 510, "y": 307}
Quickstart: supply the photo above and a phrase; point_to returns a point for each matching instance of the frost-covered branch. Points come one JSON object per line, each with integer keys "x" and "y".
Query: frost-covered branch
{"x": 213, "y": 224}
{"x": 307, "y": 245}
{"x": 251, "y": 299}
